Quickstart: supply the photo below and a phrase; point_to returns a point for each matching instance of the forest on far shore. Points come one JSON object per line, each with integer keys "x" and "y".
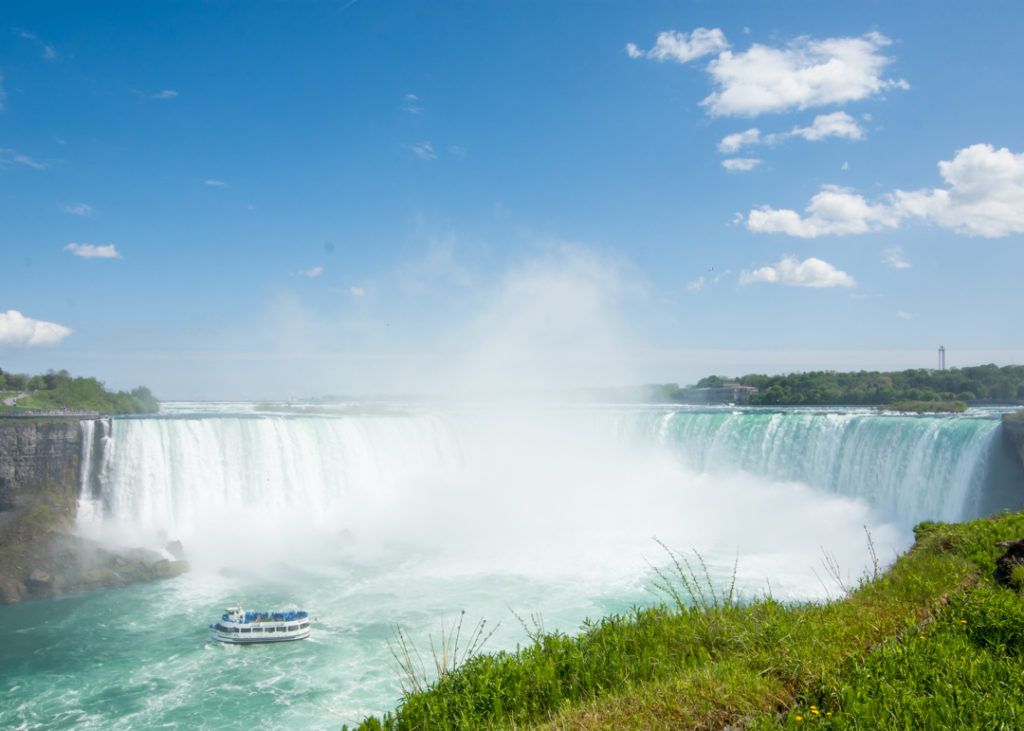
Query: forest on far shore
{"x": 56, "y": 390}
{"x": 985, "y": 384}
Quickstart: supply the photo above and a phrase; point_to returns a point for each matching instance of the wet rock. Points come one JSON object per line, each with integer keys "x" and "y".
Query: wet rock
{"x": 1013, "y": 432}
{"x": 1011, "y": 558}
{"x": 38, "y": 578}
{"x": 12, "y": 591}
{"x": 175, "y": 549}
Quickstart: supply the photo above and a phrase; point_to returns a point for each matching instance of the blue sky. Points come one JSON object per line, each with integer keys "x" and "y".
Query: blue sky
{"x": 266, "y": 199}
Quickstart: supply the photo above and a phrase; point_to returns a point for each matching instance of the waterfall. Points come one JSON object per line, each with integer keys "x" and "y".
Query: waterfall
{"x": 383, "y": 515}
{"x": 95, "y": 445}
{"x": 913, "y": 468}
{"x": 237, "y": 477}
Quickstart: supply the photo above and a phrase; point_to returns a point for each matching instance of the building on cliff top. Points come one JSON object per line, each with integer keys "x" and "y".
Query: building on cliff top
{"x": 727, "y": 393}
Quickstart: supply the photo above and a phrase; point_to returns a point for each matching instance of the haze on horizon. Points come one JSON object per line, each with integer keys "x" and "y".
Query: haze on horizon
{"x": 272, "y": 201}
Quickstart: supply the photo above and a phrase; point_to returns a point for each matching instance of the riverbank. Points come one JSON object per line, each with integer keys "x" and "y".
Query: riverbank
{"x": 933, "y": 642}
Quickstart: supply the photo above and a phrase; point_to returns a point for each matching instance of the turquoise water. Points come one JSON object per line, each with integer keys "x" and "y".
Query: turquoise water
{"x": 404, "y": 516}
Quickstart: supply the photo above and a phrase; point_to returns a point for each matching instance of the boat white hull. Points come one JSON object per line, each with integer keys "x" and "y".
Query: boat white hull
{"x": 257, "y": 635}
{"x": 239, "y": 627}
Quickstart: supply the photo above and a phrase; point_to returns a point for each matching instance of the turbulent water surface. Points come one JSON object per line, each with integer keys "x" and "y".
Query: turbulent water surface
{"x": 405, "y": 515}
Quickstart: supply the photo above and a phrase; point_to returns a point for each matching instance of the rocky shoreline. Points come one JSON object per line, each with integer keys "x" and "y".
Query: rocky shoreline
{"x": 66, "y": 564}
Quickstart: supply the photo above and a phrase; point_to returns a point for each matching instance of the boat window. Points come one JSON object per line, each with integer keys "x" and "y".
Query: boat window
{"x": 292, "y": 627}
{"x": 246, "y": 629}
{"x": 304, "y": 625}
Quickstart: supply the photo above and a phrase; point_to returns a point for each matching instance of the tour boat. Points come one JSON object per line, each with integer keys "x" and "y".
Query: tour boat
{"x": 240, "y": 627}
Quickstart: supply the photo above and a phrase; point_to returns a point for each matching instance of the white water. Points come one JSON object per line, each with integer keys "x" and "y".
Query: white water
{"x": 404, "y": 515}
{"x": 557, "y": 493}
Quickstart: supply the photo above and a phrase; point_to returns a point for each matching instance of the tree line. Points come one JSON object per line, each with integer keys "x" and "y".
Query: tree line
{"x": 59, "y": 389}
{"x": 985, "y": 383}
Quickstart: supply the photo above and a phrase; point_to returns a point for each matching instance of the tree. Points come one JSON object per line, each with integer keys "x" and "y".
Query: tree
{"x": 17, "y": 381}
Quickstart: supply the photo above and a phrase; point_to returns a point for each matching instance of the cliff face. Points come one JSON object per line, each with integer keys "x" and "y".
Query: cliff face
{"x": 40, "y": 462}
{"x": 1013, "y": 432}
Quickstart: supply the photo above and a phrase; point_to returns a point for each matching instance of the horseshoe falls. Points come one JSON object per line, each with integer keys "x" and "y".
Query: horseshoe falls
{"x": 404, "y": 515}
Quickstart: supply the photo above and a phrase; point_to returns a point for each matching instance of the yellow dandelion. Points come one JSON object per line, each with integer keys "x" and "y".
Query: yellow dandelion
{"x": 799, "y": 718}
{"x": 963, "y": 621}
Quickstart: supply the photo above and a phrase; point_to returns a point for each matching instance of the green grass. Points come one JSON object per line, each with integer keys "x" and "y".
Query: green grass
{"x": 931, "y": 643}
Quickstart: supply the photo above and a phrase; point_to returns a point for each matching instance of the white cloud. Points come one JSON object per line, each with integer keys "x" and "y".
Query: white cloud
{"x": 165, "y": 94}
{"x": 806, "y": 73}
{"x": 741, "y": 164}
{"x": 26, "y": 160}
{"x": 49, "y": 52}
{"x": 23, "y": 159}
{"x": 682, "y": 47}
{"x": 734, "y": 142}
{"x": 424, "y": 151}
{"x": 905, "y": 315}
{"x": 216, "y": 183}
{"x": 79, "y": 209}
{"x": 793, "y": 273}
{"x": 713, "y": 277}
{"x": 312, "y": 273}
{"x": 411, "y": 104}
{"x": 834, "y": 210}
{"x": 984, "y": 197}
{"x": 893, "y": 257}
{"x": 357, "y": 291}
{"x": 18, "y": 330}
{"x": 837, "y": 124}
{"x": 91, "y": 251}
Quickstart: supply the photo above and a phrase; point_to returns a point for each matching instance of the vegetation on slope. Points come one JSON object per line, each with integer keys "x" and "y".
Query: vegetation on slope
{"x": 926, "y": 407}
{"x": 932, "y": 643}
{"x": 987, "y": 383}
{"x": 59, "y": 390}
